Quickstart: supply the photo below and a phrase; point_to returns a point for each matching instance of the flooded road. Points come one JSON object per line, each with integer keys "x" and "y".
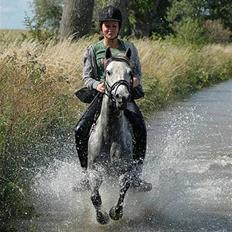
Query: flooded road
{"x": 189, "y": 162}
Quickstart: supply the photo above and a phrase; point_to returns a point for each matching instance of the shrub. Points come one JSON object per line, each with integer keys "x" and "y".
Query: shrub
{"x": 189, "y": 31}
{"x": 216, "y": 33}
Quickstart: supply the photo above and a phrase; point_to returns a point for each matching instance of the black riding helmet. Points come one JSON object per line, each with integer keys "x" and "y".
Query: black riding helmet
{"x": 110, "y": 13}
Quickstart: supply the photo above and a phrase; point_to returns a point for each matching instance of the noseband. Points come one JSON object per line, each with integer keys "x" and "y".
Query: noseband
{"x": 116, "y": 85}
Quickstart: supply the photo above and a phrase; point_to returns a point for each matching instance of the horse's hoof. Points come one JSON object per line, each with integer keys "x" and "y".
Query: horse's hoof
{"x": 116, "y": 213}
{"x": 102, "y": 217}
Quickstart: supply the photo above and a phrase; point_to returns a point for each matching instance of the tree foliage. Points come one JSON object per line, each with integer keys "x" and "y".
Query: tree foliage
{"x": 46, "y": 19}
{"x": 220, "y": 10}
{"x": 186, "y": 14}
{"x": 142, "y": 17}
{"x": 76, "y": 18}
{"x": 47, "y": 13}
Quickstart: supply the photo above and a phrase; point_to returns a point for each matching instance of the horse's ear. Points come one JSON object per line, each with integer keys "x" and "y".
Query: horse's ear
{"x": 108, "y": 53}
{"x": 128, "y": 53}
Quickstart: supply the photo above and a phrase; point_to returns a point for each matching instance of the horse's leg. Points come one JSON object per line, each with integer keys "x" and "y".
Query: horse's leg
{"x": 95, "y": 183}
{"x": 116, "y": 212}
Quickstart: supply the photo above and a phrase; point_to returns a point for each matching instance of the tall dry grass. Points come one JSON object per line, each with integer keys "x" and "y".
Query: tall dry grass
{"x": 171, "y": 71}
{"x": 37, "y": 85}
{"x": 38, "y": 82}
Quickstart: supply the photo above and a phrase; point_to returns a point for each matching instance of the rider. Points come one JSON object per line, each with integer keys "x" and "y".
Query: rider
{"x": 110, "y": 21}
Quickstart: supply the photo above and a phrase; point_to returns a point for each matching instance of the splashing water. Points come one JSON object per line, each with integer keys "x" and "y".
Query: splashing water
{"x": 189, "y": 162}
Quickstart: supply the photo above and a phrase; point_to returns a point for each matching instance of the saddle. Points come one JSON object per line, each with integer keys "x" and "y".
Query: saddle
{"x": 86, "y": 95}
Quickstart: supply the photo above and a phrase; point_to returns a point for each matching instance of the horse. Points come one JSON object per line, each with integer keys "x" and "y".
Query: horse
{"x": 110, "y": 143}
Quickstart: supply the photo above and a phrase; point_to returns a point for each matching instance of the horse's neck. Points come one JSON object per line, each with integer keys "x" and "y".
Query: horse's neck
{"x": 108, "y": 115}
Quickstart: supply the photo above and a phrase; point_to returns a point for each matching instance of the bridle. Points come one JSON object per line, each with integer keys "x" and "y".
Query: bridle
{"x": 116, "y": 85}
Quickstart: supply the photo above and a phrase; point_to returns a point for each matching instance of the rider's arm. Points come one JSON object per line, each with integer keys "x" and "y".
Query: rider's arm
{"x": 136, "y": 70}
{"x": 90, "y": 70}
{"x": 136, "y": 66}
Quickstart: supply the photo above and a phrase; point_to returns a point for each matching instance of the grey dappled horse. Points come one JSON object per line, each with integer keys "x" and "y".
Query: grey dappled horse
{"x": 110, "y": 142}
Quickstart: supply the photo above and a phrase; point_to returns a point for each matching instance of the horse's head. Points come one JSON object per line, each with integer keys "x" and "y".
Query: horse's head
{"x": 118, "y": 78}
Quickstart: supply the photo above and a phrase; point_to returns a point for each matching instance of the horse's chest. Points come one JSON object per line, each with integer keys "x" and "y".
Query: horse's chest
{"x": 120, "y": 143}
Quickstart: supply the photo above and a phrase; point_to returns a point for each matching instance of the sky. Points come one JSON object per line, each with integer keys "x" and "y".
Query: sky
{"x": 12, "y": 13}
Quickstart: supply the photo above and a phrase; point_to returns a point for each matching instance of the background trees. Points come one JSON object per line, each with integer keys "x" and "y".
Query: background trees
{"x": 186, "y": 19}
{"x": 76, "y": 18}
{"x": 220, "y": 10}
{"x": 200, "y": 21}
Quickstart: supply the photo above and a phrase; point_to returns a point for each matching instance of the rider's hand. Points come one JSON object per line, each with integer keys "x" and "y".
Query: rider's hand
{"x": 101, "y": 87}
{"x": 136, "y": 81}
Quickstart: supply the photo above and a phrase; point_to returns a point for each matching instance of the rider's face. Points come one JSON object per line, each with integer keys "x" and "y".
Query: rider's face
{"x": 110, "y": 29}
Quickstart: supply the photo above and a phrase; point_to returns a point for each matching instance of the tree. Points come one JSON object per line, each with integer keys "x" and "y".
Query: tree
{"x": 140, "y": 17}
{"x": 220, "y": 10}
{"x": 186, "y": 18}
{"x": 44, "y": 23}
{"x": 182, "y": 9}
{"x": 193, "y": 16}
{"x": 76, "y": 18}
{"x": 47, "y": 14}
{"x": 149, "y": 17}
{"x": 201, "y": 10}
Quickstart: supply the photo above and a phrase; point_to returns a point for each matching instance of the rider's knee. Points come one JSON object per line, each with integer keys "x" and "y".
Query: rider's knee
{"x": 78, "y": 129}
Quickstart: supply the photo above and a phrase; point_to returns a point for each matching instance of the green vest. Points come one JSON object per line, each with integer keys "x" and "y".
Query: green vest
{"x": 99, "y": 50}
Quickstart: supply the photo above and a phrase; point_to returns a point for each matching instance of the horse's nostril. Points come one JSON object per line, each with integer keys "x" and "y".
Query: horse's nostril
{"x": 117, "y": 95}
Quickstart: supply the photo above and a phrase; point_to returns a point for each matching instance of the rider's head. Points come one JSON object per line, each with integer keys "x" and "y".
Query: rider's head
{"x": 110, "y": 15}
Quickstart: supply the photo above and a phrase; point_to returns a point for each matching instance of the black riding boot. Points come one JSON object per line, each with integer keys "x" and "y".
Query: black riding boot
{"x": 137, "y": 122}
{"x": 82, "y": 130}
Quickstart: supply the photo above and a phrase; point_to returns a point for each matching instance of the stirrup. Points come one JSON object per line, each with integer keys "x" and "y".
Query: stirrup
{"x": 140, "y": 185}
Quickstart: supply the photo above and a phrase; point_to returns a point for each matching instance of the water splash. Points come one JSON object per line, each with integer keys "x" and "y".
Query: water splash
{"x": 189, "y": 163}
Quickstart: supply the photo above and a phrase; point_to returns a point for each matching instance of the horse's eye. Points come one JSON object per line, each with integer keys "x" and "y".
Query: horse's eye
{"x": 108, "y": 72}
